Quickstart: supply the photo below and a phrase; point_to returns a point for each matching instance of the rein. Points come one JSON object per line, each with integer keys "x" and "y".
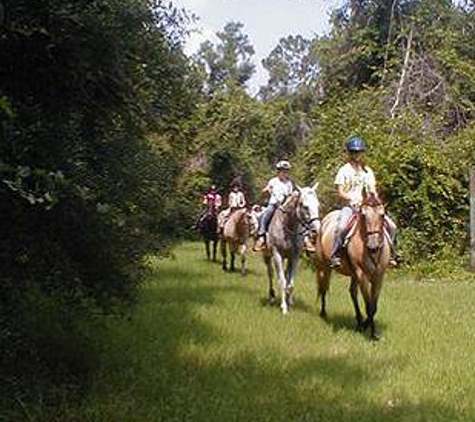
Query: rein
{"x": 306, "y": 224}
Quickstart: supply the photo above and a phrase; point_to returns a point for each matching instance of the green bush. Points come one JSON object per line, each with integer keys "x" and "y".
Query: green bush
{"x": 422, "y": 180}
{"x": 84, "y": 192}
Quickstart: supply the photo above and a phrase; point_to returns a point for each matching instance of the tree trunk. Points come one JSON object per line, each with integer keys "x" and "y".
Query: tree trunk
{"x": 403, "y": 73}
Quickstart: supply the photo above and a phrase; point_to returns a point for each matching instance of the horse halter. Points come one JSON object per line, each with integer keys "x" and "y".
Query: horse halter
{"x": 306, "y": 223}
{"x": 378, "y": 232}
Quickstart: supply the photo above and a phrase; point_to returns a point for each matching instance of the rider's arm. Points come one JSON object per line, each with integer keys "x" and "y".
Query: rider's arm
{"x": 242, "y": 200}
{"x": 342, "y": 194}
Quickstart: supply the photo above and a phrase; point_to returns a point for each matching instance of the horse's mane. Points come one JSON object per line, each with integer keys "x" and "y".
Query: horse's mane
{"x": 288, "y": 202}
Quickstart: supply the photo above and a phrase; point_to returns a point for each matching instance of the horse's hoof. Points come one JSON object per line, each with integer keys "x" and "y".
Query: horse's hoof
{"x": 272, "y": 301}
{"x": 375, "y": 337}
{"x": 323, "y": 315}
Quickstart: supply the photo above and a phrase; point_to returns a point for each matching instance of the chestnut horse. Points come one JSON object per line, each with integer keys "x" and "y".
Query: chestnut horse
{"x": 238, "y": 228}
{"x": 365, "y": 259}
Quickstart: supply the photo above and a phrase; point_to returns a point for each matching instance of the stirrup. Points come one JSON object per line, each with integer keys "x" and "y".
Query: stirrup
{"x": 260, "y": 243}
{"x": 308, "y": 245}
{"x": 335, "y": 262}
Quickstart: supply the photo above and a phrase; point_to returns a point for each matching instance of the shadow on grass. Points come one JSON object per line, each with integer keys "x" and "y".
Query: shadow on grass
{"x": 168, "y": 365}
{"x": 347, "y": 322}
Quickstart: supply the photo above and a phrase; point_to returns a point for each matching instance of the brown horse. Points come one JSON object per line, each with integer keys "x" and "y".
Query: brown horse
{"x": 365, "y": 259}
{"x": 239, "y": 227}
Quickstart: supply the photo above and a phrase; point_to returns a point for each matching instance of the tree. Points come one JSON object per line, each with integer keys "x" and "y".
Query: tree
{"x": 85, "y": 190}
{"x": 228, "y": 62}
{"x": 292, "y": 65}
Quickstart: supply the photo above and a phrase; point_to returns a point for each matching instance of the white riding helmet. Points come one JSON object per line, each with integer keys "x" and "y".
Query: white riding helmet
{"x": 283, "y": 165}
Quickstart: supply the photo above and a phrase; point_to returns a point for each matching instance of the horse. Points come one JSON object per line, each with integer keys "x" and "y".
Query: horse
{"x": 240, "y": 225}
{"x": 365, "y": 259}
{"x": 208, "y": 227}
{"x": 298, "y": 214}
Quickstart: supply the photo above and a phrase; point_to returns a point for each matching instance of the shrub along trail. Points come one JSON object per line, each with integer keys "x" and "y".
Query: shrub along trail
{"x": 203, "y": 347}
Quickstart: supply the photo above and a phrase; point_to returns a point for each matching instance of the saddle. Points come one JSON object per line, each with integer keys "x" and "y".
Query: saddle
{"x": 350, "y": 228}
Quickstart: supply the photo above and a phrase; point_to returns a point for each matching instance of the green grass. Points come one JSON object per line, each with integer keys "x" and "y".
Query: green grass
{"x": 203, "y": 346}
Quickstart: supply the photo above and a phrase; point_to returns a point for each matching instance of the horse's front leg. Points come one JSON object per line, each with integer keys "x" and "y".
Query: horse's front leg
{"x": 323, "y": 283}
{"x": 208, "y": 257}
{"x": 233, "y": 251}
{"x": 354, "y": 298}
{"x": 279, "y": 266}
{"x": 224, "y": 254}
{"x": 243, "y": 258}
{"x": 270, "y": 276}
{"x": 291, "y": 272}
{"x": 367, "y": 290}
{"x": 376, "y": 285}
{"x": 215, "y": 246}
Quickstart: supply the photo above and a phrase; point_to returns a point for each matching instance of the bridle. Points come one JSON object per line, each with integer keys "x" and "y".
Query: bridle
{"x": 369, "y": 233}
{"x": 307, "y": 224}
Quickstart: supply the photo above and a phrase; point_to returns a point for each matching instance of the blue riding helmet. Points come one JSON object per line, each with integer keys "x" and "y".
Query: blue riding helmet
{"x": 356, "y": 145}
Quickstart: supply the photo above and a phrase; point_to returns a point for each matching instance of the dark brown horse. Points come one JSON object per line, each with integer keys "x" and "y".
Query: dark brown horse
{"x": 208, "y": 227}
{"x": 365, "y": 259}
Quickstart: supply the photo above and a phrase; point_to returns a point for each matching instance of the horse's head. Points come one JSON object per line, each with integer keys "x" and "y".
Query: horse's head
{"x": 373, "y": 213}
{"x": 309, "y": 208}
{"x": 252, "y": 217}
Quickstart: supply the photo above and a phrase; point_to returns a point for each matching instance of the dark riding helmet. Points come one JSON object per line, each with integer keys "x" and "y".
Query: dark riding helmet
{"x": 355, "y": 145}
{"x": 236, "y": 183}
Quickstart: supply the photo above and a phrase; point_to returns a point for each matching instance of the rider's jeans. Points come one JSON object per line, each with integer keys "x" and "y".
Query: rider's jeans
{"x": 343, "y": 219}
{"x": 264, "y": 219}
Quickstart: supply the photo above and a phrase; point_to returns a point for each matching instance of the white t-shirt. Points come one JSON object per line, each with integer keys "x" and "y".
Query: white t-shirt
{"x": 278, "y": 190}
{"x": 354, "y": 181}
{"x": 236, "y": 200}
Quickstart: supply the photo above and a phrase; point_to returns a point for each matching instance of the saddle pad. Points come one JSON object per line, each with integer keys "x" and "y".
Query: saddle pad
{"x": 350, "y": 228}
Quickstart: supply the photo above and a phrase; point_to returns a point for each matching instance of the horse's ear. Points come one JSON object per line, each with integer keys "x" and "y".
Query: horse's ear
{"x": 315, "y": 186}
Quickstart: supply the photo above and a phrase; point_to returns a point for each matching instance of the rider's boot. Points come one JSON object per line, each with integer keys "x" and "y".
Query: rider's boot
{"x": 335, "y": 260}
{"x": 393, "y": 258}
{"x": 260, "y": 243}
{"x": 308, "y": 244}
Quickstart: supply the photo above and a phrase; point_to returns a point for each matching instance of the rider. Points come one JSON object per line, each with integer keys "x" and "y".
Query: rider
{"x": 351, "y": 179}
{"x": 213, "y": 201}
{"x": 236, "y": 200}
{"x": 278, "y": 188}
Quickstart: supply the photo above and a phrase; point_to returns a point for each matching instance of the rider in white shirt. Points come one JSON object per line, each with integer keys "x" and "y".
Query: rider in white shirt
{"x": 351, "y": 179}
{"x": 278, "y": 188}
{"x": 236, "y": 201}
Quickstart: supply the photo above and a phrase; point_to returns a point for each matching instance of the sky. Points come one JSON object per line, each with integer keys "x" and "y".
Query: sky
{"x": 265, "y": 22}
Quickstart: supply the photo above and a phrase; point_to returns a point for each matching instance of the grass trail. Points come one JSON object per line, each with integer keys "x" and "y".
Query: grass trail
{"x": 203, "y": 347}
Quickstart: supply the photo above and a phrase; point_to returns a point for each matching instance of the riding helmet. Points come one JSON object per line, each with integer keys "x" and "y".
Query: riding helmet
{"x": 283, "y": 165}
{"x": 356, "y": 145}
